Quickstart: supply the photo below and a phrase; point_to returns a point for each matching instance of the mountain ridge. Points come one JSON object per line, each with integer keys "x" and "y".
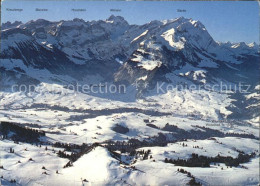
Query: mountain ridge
{"x": 123, "y": 53}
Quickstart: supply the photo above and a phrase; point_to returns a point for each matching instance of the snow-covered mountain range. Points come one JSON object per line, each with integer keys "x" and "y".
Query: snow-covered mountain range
{"x": 171, "y": 44}
{"x": 111, "y": 50}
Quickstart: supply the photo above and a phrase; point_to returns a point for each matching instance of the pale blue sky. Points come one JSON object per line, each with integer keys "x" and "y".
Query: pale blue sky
{"x": 233, "y": 21}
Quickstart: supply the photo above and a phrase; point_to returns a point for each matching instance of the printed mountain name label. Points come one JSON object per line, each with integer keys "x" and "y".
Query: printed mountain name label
{"x": 14, "y": 9}
{"x": 41, "y": 9}
{"x": 115, "y": 10}
{"x": 78, "y": 9}
{"x": 181, "y": 10}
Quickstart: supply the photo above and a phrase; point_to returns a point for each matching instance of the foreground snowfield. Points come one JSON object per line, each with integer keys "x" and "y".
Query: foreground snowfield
{"x": 99, "y": 168}
{"x": 80, "y": 118}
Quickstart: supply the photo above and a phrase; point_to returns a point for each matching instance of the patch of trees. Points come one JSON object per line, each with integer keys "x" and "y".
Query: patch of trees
{"x": 146, "y": 120}
{"x": 120, "y": 129}
{"x": 11, "y": 150}
{"x": 12, "y": 181}
{"x": 204, "y": 161}
{"x": 229, "y": 134}
{"x": 144, "y": 153}
{"x": 251, "y": 136}
{"x": 115, "y": 155}
{"x": 123, "y": 146}
{"x": 74, "y": 156}
{"x": 152, "y": 126}
{"x": 181, "y": 134}
{"x": 132, "y": 144}
{"x": 205, "y": 133}
{"x": 172, "y": 128}
{"x": 20, "y": 133}
{"x": 63, "y": 154}
{"x": 69, "y": 164}
{"x": 193, "y": 181}
{"x": 69, "y": 146}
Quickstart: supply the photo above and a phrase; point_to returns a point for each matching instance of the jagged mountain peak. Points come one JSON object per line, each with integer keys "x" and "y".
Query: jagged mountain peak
{"x": 8, "y": 25}
{"x": 176, "y": 20}
{"x": 38, "y": 22}
{"x": 116, "y": 20}
{"x": 253, "y": 44}
{"x": 197, "y": 23}
{"x": 244, "y": 46}
{"x": 180, "y": 31}
{"x": 182, "y": 20}
{"x": 78, "y": 20}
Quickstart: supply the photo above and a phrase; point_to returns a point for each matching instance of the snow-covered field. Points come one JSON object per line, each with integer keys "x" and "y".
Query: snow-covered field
{"x": 78, "y": 118}
{"x": 99, "y": 168}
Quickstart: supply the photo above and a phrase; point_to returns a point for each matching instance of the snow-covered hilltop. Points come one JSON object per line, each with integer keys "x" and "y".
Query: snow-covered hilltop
{"x": 183, "y": 119}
